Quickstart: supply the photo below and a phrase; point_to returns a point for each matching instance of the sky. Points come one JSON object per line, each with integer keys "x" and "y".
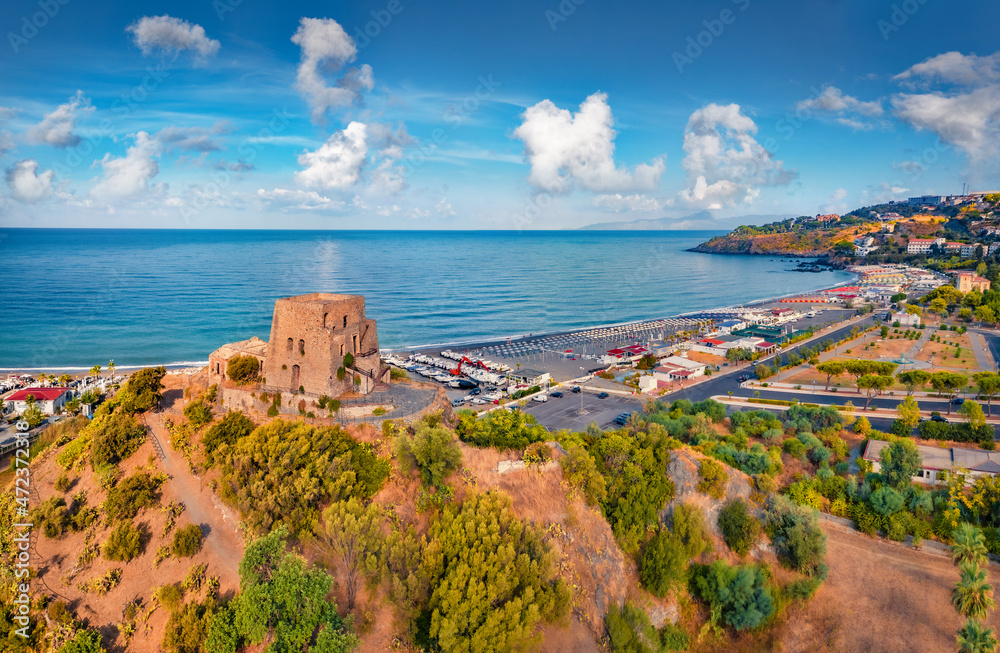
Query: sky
{"x": 552, "y": 114}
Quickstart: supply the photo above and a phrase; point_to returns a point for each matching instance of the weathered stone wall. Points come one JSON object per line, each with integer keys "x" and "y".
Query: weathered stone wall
{"x": 311, "y": 335}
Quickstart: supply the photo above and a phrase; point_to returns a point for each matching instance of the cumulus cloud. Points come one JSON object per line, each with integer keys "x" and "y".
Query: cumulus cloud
{"x": 325, "y": 45}
{"x": 567, "y": 149}
{"x": 235, "y": 166}
{"x": 338, "y": 163}
{"x": 169, "y": 35}
{"x": 128, "y": 175}
{"x": 297, "y": 200}
{"x": 884, "y": 192}
{"x": 954, "y": 68}
{"x": 620, "y": 203}
{"x": 57, "y": 128}
{"x": 725, "y": 164}
{"x": 26, "y": 185}
{"x": 833, "y": 100}
{"x": 194, "y": 139}
{"x": 835, "y": 202}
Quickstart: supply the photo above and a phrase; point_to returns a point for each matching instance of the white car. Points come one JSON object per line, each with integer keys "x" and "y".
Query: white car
{"x": 478, "y": 401}
{"x": 540, "y": 398}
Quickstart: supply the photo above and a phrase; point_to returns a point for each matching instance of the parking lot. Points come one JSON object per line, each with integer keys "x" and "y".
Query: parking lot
{"x": 564, "y": 412}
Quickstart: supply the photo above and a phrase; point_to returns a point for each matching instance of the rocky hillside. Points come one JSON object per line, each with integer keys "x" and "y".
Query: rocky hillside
{"x": 806, "y": 243}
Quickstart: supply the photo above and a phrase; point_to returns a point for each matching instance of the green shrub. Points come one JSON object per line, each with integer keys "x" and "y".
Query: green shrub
{"x": 795, "y": 532}
{"x": 886, "y": 501}
{"x": 169, "y": 596}
{"x": 664, "y": 563}
{"x": 62, "y": 483}
{"x": 123, "y": 543}
{"x": 432, "y": 452}
{"x": 739, "y": 528}
{"x": 537, "y": 453}
{"x": 243, "y": 369}
{"x": 580, "y": 470}
{"x": 234, "y": 425}
{"x": 737, "y": 594}
{"x": 793, "y": 447}
{"x": 115, "y": 438}
{"x": 631, "y": 631}
{"x": 198, "y": 413}
{"x": 187, "y": 627}
{"x": 139, "y": 491}
{"x": 502, "y": 429}
{"x": 689, "y": 526}
{"x": 714, "y": 479}
{"x": 187, "y": 541}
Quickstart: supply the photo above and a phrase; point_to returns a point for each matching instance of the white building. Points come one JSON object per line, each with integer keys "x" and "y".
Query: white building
{"x": 676, "y": 368}
{"x": 969, "y": 249}
{"x": 923, "y": 245}
{"x": 905, "y": 319}
{"x": 49, "y": 400}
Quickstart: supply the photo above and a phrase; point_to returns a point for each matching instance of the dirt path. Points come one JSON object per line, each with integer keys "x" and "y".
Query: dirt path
{"x": 880, "y": 597}
{"x": 202, "y": 506}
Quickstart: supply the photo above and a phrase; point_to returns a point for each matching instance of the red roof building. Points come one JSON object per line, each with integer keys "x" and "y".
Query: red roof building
{"x": 40, "y": 394}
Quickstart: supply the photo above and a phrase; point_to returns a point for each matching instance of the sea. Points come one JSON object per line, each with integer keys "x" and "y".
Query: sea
{"x": 73, "y": 298}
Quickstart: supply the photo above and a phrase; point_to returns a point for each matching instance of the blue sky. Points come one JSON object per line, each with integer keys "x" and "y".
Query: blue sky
{"x": 520, "y": 115}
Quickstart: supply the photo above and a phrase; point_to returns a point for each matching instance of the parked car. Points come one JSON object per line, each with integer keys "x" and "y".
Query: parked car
{"x": 957, "y": 401}
{"x": 540, "y": 398}
{"x": 575, "y": 389}
{"x": 556, "y": 395}
{"x": 603, "y": 395}
{"x": 475, "y": 391}
{"x": 938, "y": 418}
{"x": 458, "y": 402}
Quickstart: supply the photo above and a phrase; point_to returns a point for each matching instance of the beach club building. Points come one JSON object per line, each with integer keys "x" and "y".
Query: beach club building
{"x": 49, "y": 400}
{"x": 677, "y": 368}
{"x": 977, "y": 462}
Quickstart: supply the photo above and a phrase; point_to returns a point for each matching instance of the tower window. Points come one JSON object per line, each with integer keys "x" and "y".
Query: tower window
{"x": 355, "y": 344}
{"x": 289, "y": 345}
{"x": 326, "y": 321}
{"x": 345, "y": 320}
{"x": 341, "y": 349}
{"x": 302, "y": 347}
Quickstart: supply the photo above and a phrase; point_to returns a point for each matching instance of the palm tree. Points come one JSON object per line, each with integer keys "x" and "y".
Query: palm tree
{"x": 96, "y": 371}
{"x": 972, "y": 596}
{"x": 111, "y": 368}
{"x": 974, "y": 638}
{"x": 969, "y": 546}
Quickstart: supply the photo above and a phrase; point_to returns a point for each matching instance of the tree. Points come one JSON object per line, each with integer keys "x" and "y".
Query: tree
{"x": 940, "y": 306}
{"x": 969, "y": 545}
{"x": 124, "y": 542}
{"x": 950, "y": 381}
{"x": 281, "y": 600}
{"x": 351, "y": 534}
{"x": 111, "y": 369}
{"x": 973, "y": 637}
{"x": 914, "y": 379}
{"x": 664, "y": 563}
{"x": 986, "y": 314}
{"x": 873, "y": 385}
{"x": 738, "y": 595}
{"x": 243, "y": 369}
{"x": 900, "y": 463}
{"x": 831, "y": 369}
{"x": 886, "y": 501}
{"x": 987, "y": 384}
{"x": 432, "y": 451}
{"x": 84, "y": 641}
{"x": 580, "y": 470}
{"x": 973, "y": 595}
{"x": 913, "y": 309}
{"x": 795, "y": 532}
{"x": 234, "y": 425}
{"x": 96, "y": 371}
{"x": 908, "y": 412}
{"x": 739, "y": 528}
{"x": 973, "y": 414}
{"x": 33, "y": 414}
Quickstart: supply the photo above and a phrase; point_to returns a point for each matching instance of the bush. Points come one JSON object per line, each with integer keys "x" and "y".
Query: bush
{"x": 234, "y": 425}
{"x": 115, "y": 438}
{"x": 793, "y": 447}
{"x": 537, "y": 453}
{"x": 62, "y": 483}
{"x": 502, "y": 429}
{"x": 886, "y": 501}
{"x": 139, "y": 491}
{"x": 432, "y": 452}
{"x": 243, "y": 369}
{"x": 631, "y": 631}
{"x": 664, "y": 563}
{"x": 187, "y": 627}
{"x": 739, "y": 595}
{"x": 187, "y": 541}
{"x": 124, "y": 542}
{"x": 689, "y": 527}
{"x": 580, "y": 470}
{"x": 714, "y": 479}
{"x": 795, "y": 532}
{"x": 198, "y": 413}
{"x": 739, "y": 528}
{"x": 169, "y": 596}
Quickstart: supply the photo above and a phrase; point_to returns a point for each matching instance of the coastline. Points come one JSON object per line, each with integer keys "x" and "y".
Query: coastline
{"x": 471, "y": 343}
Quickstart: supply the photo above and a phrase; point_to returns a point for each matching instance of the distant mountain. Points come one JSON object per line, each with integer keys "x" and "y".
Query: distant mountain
{"x": 702, "y": 220}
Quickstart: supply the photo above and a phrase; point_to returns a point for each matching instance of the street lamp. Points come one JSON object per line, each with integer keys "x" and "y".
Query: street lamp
{"x": 582, "y": 411}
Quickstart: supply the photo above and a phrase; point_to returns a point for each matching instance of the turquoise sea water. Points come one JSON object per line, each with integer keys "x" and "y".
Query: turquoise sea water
{"x": 78, "y": 297}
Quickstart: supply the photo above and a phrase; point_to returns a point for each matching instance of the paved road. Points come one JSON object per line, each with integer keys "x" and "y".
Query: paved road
{"x": 564, "y": 412}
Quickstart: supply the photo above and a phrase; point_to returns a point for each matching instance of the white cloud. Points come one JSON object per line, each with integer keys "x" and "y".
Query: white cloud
{"x": 130, "y": 174}
{"x": 969, "y": 121}
{"x": 56, "y": 128}
{"x": 833, "y": 100}
{"x": 955, "y": 68}
{"x": 297, "y": 200}
{"x": 197, "y": 139}
{"x": 26, "y": 185}
{"x": 567, "y": 149}
{"x": 969, "y": 118}
{"x": 725, "y": 164}
{"x": 619, "y": 203}
{"x": 835, "y": 203}
{"x": 443, "y": 207}
{"x": 338, "y": 163}
{"x": 171, "y": 35}
{"x": 884, "y": 192}
{"x": 325, "y": 44}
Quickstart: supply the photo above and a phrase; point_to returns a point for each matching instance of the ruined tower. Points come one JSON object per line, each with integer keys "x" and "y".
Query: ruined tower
{"x": 312, "y": 335}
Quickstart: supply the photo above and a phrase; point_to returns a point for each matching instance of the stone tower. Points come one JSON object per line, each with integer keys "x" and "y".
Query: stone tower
{"x": 310, "y": 337}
